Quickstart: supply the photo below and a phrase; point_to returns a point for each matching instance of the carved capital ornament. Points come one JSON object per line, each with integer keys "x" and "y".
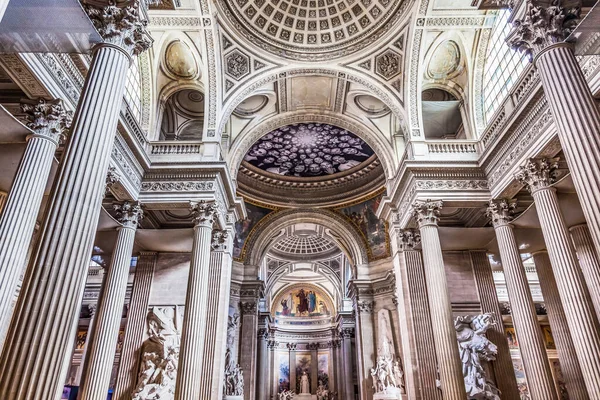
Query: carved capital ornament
{"x": 538, "y": 173}
{"x": 47, "y": 118}
{"x": 427, "y": 212}
{"x": 121, "y": 26}
{"x": 500, "y": 212}
{"x": 129, "y": 214}
{"x": 220, "y": 240}
{"x": 408, "y": 239}
{"x": 204, "y": 212}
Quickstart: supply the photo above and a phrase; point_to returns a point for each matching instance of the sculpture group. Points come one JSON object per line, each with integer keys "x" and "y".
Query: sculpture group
{"x": 388, "y": 376}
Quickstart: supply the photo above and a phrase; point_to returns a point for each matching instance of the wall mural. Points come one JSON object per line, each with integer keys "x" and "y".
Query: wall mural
{"x": 374, "y": 230}
{"x": 521, "y": 380}
{"x": 323, "y": 370}
{"x": 284, "y": 372}
{"x": 302, "y": 301}
{"x": 308, "y": 150}
{"x": 303, "y": 364}
{"x": 244, "y": 227}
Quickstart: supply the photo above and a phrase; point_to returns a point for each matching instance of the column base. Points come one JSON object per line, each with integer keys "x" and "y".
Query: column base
{"x": 233, "y": 397}
{"x": 392, "y": 393}
{"x": 305, "y": 396}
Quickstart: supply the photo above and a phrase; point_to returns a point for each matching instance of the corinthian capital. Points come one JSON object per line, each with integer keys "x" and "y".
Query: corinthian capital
{"x": 46, "y": 118}
{"x": 220, "y": 240}
{"x": 204, "y": 212}
{"x": 121, "y": 26}
{"x": 427, "y": 212}
{"x": 129, "y": 214}
{"x": 542, "y": 26}
{"x": 408, "y": 239}
{"x": 538, "y": 173}
{"x": 500, "y": 212}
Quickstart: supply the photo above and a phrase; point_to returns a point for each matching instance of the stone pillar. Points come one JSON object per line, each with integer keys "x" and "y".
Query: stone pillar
{"x": 249, "y": 346}
{"x": 48, "y": 121}
{"x": 540, "y": 33}
{"x": 347, "y": 335}
{"x": 135, "y": 326}
{"x": 529, "y": 333}
{"x": 314, "y": 373}
{"x": 215, "y": 343}
{"x": 488, "y": 298}
{"x": 444, "y": 335}
{"x": 92, "y": 308}
{"x": 48, "y": 307}
{"x": 365, "y": 345}
{"x": 3, "y": 7}
{"x": 102, "y": 347}
{"x": 420, "y": 364}
{"x": 263, "y": 363}
{"x": 293, "y": 379}
{"x": 583, "y": 324}
{"x": 3, "y": 197}
{"x": 560, "y": 328}
{"x": 273, "y": 361}
{"x": 193, "y": 334}
{"x": 588, "y": 259}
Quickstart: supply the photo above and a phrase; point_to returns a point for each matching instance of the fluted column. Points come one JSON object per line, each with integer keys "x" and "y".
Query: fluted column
{"x": 347, "y": 335}
{"x": 293, "y": 379}
{"x": 569, "y": 365}
{"x": 135, "y": 326}
{"x": 101, "y": 352}
{"x": 420, "y": 363}
{"x": 191, "y": 355}
{"x": 48, "y": 121}
{"x": 314, "y": 351}
{"x": 588, "y": 259}
{"x": 446, "y": 347}
{"x": 48, "y": 307}
{"x": 365, "y": 346}
{"x": 91, "y": 308}
{"x": 249, "y": 346}
{"x": 488, "y": 298}
{"x": 537, "y": 174}
{"x": 529, "y": 333}
{"x": 540, "y": 33}
{"x": 219, "y": 283}
{"x": 3, "y": 197}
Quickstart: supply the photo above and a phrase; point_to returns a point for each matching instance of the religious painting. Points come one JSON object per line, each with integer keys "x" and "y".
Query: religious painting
{"x": 323, "y": 370}
{"x": 373, "y": 229}
{"x": 303, "y": 300}
{"x": 284, "y": 372}
{"x": 548, "y": 338}
{"x": 303, "y": 364}
{"x": 511, "y": 336}
{"x": 244, "y": 227}
{"x": 521, "y": 380}
{"x": 80, "y": 339}
{"x": 559, "y": 380}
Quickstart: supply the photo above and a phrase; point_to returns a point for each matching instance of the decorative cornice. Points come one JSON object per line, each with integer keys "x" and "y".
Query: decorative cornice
{"x": 500, "y": 212}
{"x": 112, "y": 178}
{"x": 47, "y": 118}
{"x": 538, "y": 173}
{"x": 427, "y": 212}
{"x": 129, "y": 214}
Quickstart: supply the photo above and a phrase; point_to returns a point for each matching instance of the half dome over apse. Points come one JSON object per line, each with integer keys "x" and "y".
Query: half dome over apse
{"x": 308, "y": 150}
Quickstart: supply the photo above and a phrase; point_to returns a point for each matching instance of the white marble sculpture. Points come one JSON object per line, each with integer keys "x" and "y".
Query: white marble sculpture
{"x": 234, "y": 377}
{"x": 285, "y": 395}
{"x": 388, "y": 377}
{"x": 322, "y": 392}
{"x": 160, "y": 353}
{"x": 476, "y": 350}
{"x": 304, "y": 383}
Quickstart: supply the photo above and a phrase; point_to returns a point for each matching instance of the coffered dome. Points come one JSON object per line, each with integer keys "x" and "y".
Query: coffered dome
{"x": 312, "y": 29}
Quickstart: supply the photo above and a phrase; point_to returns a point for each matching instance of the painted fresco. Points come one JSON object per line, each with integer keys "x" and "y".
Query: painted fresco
{"x": 284, "y": 372}
{"x": 323, "y": 370}
{"x": 559, "y": 380}
{"x": 303, "y": 364}
{"x": 244, "y": 227}
{"x": 511, "y": 336}
{"x": 548, "y": 338}
{"x": 521, "y": 380}
{"x": 362, "y": 215}
{"x": 303, "y": 301}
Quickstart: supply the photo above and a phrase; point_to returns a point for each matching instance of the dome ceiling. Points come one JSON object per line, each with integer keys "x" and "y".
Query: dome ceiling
{"x": 308, "y": 150}
{"x": 302, "y": 241}
{"x": 314, "y": 29}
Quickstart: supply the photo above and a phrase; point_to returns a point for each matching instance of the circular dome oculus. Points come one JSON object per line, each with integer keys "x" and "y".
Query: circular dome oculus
{"x": 308, "y": 150}
{"x": 323, "y": 28}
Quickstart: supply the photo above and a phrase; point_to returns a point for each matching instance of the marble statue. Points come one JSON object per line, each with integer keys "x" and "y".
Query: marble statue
{"x": 304, "y": 383}
{"x": 160, "y": 354}
{"x": 285, "y": 395}
{"x": 387, "y": 375}
{"x": 322, "y": 392}
{"x": 234, "y": 377}
{"x": 233, "y": 322}
{"x": 476, "y": 350}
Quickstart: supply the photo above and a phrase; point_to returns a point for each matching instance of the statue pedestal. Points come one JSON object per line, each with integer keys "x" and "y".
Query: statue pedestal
{"x": 390, "y": 394}
{"x": 233, "y": 397}
{"x": 305, "y": 396}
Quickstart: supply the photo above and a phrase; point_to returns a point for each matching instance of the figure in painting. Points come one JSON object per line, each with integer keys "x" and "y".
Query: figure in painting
{"x": 302, "y": 306}
{"x": 312, "y": 301}
{"x": 285, "y": 309}
{"x": 304, "y": 383}
{"x": 323, "y": 310}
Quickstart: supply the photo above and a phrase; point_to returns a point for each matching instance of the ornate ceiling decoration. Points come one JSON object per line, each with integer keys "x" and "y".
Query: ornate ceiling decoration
{"x": 313, "y": 29}
{"x": 306, "y": 240}
{"x": 308, "y": 150}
